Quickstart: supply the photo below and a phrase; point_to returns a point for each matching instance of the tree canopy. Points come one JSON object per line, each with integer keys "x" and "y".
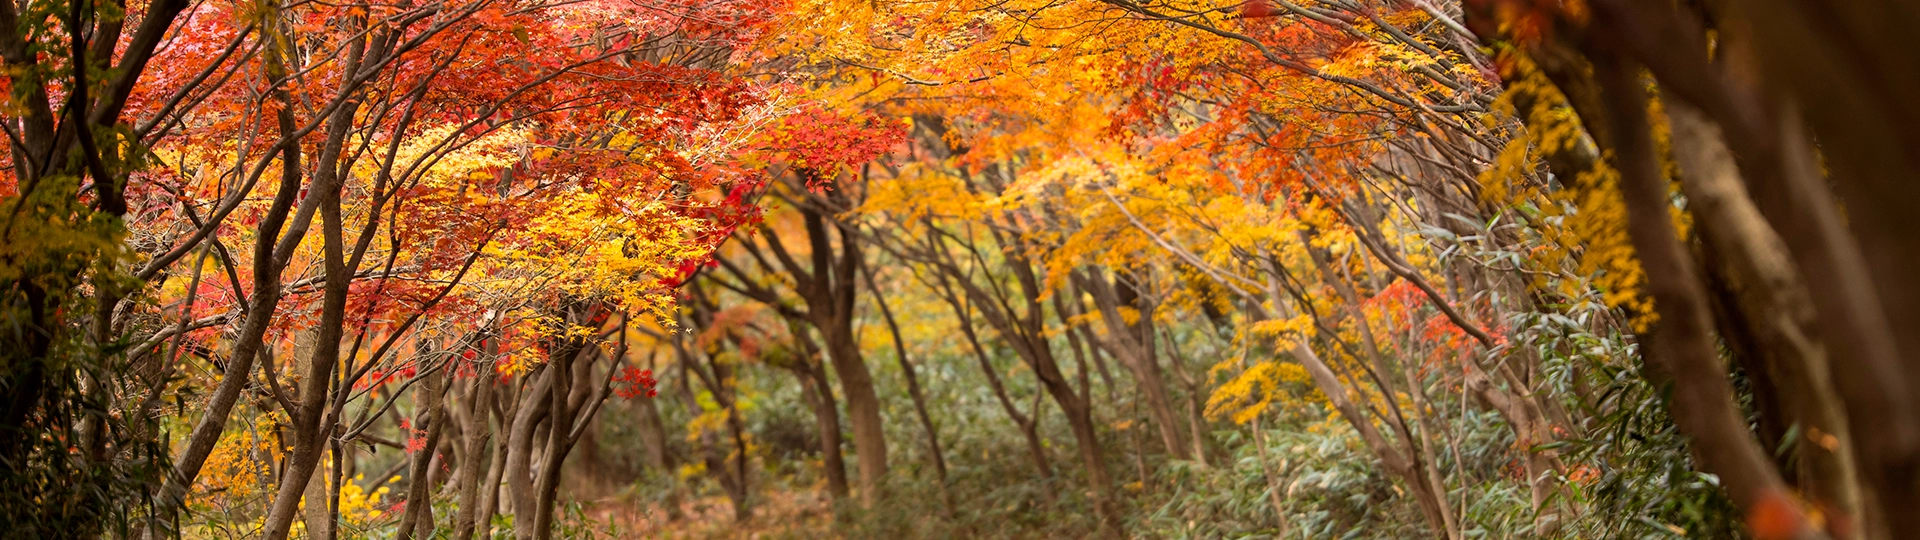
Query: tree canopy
{"x": 955, "y": 268}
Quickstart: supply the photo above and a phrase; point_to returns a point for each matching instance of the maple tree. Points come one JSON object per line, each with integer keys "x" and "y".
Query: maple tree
{"x": 1413, "y": 268}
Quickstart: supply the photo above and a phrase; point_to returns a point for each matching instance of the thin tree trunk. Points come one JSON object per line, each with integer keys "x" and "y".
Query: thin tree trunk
{"x": 1196, "y": 413}
{"x": 490, "y": 487}
{"x": 1280, "y": 523}
{"x": 732, "y": 480}
{"x": 1035, "y": 450}
{"x": 1391, "y": 374}
{"x": 913, "y": 381}
{"x": 826, "y": 414}
{"x": 430, "y": 416}
{"x": 1432, "y": 502}
{"x": 1080, "y": 350}
{"x": 313, "y": 422}
{"x": 272, "y": 250}
{"x": 1135, "y": 352}
{"x": 476, "y": 404}
{"x": 653, "y": 439}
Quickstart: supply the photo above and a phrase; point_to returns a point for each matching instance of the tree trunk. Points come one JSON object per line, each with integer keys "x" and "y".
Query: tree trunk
{"x": 1773, "y": 309}
{"x": 431, "y": 416}
{"x": 913, "y": 382}
{"x": 1135, "y": 352}
{"x": 313, "y": 512}
{"x": 711, "y": 449}
{"x": 475, "y": 407}
{"x": 829, "y": 292}
{"x": 313, "y": 421}
{"x": 1681, "y": 348}
{"x": 1819, "y": 53}
{"x": 271, "y": 248}
{"x": 489, "y": 491}
{"x": 653, "y": 439}
{"x": 1196, "y": 410}
{"x": 1273, "y": 481}
{"x": 1027, "y": 423}
{"x": 535, "y": 403}
{"x": 863, "y": 403}
{"x": 1431, "y": 498}
{"x": 572, "y": 380}
{"x": 819, "y": 395}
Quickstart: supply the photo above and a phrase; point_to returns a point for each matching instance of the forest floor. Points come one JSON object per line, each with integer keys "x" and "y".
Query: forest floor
{"x": 777, "y": 515}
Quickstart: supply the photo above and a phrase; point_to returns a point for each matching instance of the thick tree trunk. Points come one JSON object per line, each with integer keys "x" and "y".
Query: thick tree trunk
{"x": 535, "y": 405}
{"x": 1850, "y": 64}
{"x": 826, "y": 420}
{"x": 863, "y": 403}
{"x": 1681, "y": 347}
{"x": 1821, "y": 53}
{"x": 573, "y": 368}
{"x": 319, "y": 521}
{"x": 1773, "y": 308}
{"x": 829, "y": 291}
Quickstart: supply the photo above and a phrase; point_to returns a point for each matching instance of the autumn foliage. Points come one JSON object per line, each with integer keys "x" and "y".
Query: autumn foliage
{"x": 1099, "y": 268}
